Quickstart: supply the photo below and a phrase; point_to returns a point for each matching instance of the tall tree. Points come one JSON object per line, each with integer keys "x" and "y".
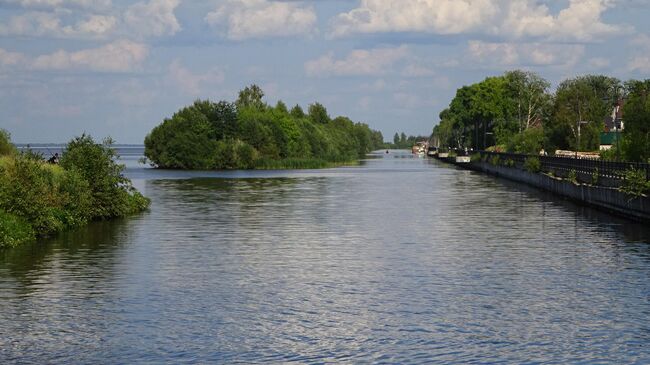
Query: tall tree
{"x": 636, "y": 135}
{"x": 251, "y": 96}
{"x": 318, "y": 113}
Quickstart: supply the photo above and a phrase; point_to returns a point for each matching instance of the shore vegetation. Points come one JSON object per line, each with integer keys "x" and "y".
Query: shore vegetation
{"x": 517, "y": 112}
{"x": 40, "y": 199}
{"x": 250, "y": 134}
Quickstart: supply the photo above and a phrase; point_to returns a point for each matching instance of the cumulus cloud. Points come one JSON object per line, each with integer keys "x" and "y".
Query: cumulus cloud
{"x": 118, "y": 56}
{"x": 49, "y": 25}
{"x": 51, "y": 4}
{"x": 153, "y": 18}
{"x": 579, "y": 21}
{"x": 192, "y": 83}
{"x": 357, "y": 63}
{"x": 526, "y": 54}
{"x": 10, "y": 58}
{"x": 640, "y": 61}
{"x": 140, "y": 20}
{"x": 245, "y": 19}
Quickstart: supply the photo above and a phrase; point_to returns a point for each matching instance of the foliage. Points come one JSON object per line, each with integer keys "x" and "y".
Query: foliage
{"x": 39, "y": 199}
{"x": 494, "y": 160}
{"x": 402, "y": 141}
{"x": 530, "y": 141}
{"x": 532, "y": 164}
{"x": 572, "y": 176}
{"x": 6, "y": 147}
{"x": 635, "y": 182}
{"x": 250, "y": 134}
{"x": 112, "y": 193}
{"x": 636, "y": 135}
{"x": 14, "y": 230}
{"x": 517, "y": 110}
{"x": 595, "y": 176}
{"x": 608, "y": 155}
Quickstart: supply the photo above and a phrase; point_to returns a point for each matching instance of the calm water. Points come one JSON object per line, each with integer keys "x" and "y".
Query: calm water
{"x": 399, "y": 260}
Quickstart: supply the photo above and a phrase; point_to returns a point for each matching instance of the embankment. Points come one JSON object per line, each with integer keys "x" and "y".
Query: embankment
{"x": 605, "y": 198}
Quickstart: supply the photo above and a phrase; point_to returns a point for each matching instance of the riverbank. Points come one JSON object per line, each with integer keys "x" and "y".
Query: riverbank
{"x": 606, "y": 196}
{"x": 39, "y": 199}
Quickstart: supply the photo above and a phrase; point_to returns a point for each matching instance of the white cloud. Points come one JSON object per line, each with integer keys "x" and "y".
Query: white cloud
{"x": 118, "y": 56}
{"x": 435, "y": 16}
{"x": 51, "y": 4}
{"x": 526, "y": 54}
{"x": 192, "y": 83}
{"x": 639, "y": 60}
{"x": 48, "y": 24}
{"x": 10, "y": 58}
{"x": 415, "y": 70}
{"x": 513, "y": 19}
{"x": 153, "y": 18}
{"x": 245, "y": 19}
{"x": 358, "y": 62}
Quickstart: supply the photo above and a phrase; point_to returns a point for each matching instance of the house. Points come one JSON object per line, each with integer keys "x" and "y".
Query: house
{"x": 613, "y": 126}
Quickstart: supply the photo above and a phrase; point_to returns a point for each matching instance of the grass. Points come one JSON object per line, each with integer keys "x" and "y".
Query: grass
{"x": 299, "y": 164}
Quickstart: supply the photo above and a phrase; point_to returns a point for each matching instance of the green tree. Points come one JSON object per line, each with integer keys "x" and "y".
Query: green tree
{"x": 582, "y": 99}
{"x": 297, "y": 112}
{"x": 318, "y": 114}
{"x": 6, "y": 147}
{"x": 251, "y": 97}
{"x": 636, "y": 135}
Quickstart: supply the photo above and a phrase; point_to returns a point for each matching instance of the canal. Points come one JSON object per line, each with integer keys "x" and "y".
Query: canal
{"x": 399, "y": 260}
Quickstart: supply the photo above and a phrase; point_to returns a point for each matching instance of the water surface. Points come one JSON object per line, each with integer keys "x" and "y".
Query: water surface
{"x": 399, "y": 260}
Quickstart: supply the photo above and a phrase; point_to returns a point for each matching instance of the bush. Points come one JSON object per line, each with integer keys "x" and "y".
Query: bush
{"x": 572, "y": 176}
{"x": 494, "y": 160}
{"x": 635, "y": 182}
{"x": 594, "y": 177}
{"x": 529, "y": 141}
{"x": 532, "y": 164}
{"x": 112, "y": 193}
{"x": 14, "y": 230}
{"x": 6, "y": 147}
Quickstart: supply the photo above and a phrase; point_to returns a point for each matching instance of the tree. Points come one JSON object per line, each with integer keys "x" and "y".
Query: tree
{"x": 396, "y": 139}
{"x": 251, "y": 97}
{"x": 318, "y": 114}
{"x": 582, "y": 99}
{"x": 530, "y": 94}
{"x": 636, "y": 135}
{"x": 297, "y": 112}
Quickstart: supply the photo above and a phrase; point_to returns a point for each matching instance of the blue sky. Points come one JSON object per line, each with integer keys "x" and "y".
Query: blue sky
{"x": 118, "y": 68}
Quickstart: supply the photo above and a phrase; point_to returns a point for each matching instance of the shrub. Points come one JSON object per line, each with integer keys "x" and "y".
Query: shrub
{"x": 494, "y": 160}
{"x": 6, "y": 147}
{"x": 572, "y": 176}
{"x": 594, "y": 177}
{"x": 112, "y": 193}
{"x": 476, "y": 157}
{"x": 635, "y": 182}
{"x": 509, "y": 163}
{"x": 14, "y": 230}
{"x": 532, "y": 164}
{"x": 29, "y": 191}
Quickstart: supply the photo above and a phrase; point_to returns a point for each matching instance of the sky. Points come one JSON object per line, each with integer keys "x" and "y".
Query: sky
{"x": 118, "y": 68}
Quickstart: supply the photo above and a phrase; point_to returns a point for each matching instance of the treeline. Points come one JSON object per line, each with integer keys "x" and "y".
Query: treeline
{"x": 401, "y": 141}
{"x": 40, "y": 199}
{"x": 516, "y": 112}
{"x": 248, "y": 134}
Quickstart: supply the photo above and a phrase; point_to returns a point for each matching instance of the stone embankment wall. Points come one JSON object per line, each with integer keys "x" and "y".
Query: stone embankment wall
{"x": 610, "y": 199}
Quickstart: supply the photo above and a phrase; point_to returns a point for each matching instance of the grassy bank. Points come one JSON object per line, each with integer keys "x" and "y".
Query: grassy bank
{"x": 300, "y": 164}
{"x": 39, "y": 199}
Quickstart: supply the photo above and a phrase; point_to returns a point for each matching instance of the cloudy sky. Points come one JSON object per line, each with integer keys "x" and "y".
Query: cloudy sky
{"x": 117, "y": 67}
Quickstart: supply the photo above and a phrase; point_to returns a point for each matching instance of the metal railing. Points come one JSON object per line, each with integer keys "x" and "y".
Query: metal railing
{"x": 611, "y": 169}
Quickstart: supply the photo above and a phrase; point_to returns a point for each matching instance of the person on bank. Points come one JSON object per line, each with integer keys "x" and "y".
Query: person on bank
{"x": 54, "y": 159}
